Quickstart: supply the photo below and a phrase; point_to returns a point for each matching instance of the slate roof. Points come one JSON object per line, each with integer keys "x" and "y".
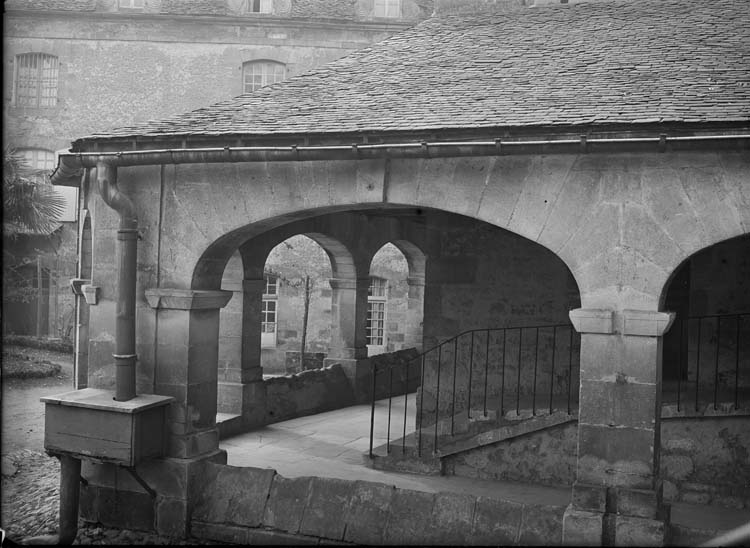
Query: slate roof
{"x": 606, "y": 62}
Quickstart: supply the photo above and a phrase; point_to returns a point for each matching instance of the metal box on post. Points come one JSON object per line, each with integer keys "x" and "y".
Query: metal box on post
{"x": 90, "y": 424}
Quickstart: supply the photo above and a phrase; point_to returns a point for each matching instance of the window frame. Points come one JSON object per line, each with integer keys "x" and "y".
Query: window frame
{"x": 387, "y": 9}
{"x": 270, "y": 297}
{"x": 377, "y": 299}
{"x": 265, "y": 7}
{"x": 130, "y": 5}
{"x": 43, "y": 79}
{"x": 249, "y": 74}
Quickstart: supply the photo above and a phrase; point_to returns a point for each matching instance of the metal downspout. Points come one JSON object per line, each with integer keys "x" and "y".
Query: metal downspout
{"x": 127, "y": 248}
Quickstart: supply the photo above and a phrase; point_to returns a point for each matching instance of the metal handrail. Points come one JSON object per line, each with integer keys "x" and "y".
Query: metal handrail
{"x": 418, "y": 365}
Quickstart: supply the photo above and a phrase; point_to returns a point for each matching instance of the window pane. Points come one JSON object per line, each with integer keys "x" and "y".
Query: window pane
{"x": 261, "y": 73}
{"x": 36, "y": 80}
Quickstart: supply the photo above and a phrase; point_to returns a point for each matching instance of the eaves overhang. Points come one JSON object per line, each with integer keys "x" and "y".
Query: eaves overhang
{"x": 233, "y": 148}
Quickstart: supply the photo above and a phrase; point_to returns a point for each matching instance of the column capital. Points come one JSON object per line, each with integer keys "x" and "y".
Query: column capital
{"x": 343, "y": 283}
{"x": 646, "y": 323}
{"x": 593, "y": 320}
{"x": 187, "y": 299}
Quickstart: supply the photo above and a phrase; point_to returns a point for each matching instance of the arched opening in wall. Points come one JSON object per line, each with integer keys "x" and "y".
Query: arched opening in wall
{"x": 296, "y": 307}
{"x": 395, "y": 301}
{"x": 706, "y": 359}
{"x": 705, "y": 427}
{"x": 495, "y": 328}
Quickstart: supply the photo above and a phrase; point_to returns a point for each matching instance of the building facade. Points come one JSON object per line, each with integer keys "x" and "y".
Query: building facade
{"x": 71, "y": 68}
{"x": 562, "y": 203}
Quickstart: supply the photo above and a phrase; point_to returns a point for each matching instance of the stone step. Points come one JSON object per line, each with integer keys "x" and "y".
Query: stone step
{"x": 407, "y": 455}
{"x": 695, "y": 524}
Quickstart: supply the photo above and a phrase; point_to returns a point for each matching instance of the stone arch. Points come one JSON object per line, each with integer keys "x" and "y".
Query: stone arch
{"x": 706, "y": 374}
{"x": 400, "y": 308}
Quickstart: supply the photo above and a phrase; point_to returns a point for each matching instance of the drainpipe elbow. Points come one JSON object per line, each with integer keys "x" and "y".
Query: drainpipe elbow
{"x": 106, "y": 180}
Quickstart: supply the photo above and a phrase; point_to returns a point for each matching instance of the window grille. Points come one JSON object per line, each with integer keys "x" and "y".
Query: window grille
{"x": 387, "y": 8}
{"x": 36, "y": 80}
{"x": 256, "y": 74}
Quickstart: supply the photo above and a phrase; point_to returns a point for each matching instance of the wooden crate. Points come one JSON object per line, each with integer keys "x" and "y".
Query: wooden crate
{"x": 90, "y": 424}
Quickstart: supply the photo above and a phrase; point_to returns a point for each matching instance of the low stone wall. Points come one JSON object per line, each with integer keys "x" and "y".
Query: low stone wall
{"x": 256, "y": 506}
{"x": 706, "y": 460}
{"x": 547, "y": 456}
{"x": 307, "y": 393}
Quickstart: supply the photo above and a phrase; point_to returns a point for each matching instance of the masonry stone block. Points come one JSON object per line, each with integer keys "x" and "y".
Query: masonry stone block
{"x": 409, "y": 516}
{"x": 643, "y": 503}
{"x": 140, "y": 514}
{"x": 635, "y": 531}
{"x": 286, "y": 503}
{"x": 592, "y": 320}
{"x": 592, "y": 498}
{"x": 237, "y": 495}
{"x": 582, "y": 528}
{"x": 326, "y": 510}
{"x": 677, "y": 467}
{"x": 171, "y": 517}
{"x": 496, "y": 521}
{"x": 646, "y": 323}
{"x": 248, "y": 537}
{"x": 620, "y": 403}
{"x": 541, "y": 524}
{"x": 452, "y": 520}
{"x": 368, "y": 513}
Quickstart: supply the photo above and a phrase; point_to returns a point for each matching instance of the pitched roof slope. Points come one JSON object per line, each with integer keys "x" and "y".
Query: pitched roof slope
{"x": 622, "y": 61}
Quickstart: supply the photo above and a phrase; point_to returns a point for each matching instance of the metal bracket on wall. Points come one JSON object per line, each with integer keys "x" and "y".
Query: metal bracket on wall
{"x": 140, "y": 480}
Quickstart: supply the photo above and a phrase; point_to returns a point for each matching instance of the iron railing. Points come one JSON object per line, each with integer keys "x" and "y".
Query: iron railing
{"x": 481, "y": 372}
{"x": 714, "y": 351}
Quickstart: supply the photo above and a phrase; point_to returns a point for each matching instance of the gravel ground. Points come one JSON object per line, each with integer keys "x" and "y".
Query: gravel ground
{"x": 29, "y": 501}
{"x": 30, "y": 505}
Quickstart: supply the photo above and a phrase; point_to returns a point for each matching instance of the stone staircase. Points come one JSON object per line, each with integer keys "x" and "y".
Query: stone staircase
{"x": 417, "y": 454}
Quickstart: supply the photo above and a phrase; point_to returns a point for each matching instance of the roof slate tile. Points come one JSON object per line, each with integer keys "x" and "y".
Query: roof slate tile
{"x": 601, "y": 62}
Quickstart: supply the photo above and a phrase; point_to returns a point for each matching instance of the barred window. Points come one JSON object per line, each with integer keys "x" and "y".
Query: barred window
{"x": 36, "y": 80}
{"x": 256, "y": 74}
{"x": 387, "y": 8}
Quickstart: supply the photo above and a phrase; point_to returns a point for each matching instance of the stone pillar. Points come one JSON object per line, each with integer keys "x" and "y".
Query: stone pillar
{"x": 348, "y": 332}
{"x": 617, "y": 495}
{"x": 186, "y": 365}
{"x": 241, "y": 388}
{"x": 187, "y": 325}
{"x": 414, "y": 312}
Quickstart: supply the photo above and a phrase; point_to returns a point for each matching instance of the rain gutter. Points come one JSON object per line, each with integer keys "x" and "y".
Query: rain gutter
{"x": 70, "y": 164}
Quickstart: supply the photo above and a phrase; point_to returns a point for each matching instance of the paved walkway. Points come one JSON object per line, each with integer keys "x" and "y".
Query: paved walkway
{"x": 333, "y": 444}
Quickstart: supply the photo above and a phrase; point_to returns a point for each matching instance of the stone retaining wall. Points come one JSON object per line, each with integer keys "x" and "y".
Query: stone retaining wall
{"x": 706, "y": 460}
{"x": 307, "y": 393}
{"x": 252, "y": 506}
{"x": 547, "y": 457}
